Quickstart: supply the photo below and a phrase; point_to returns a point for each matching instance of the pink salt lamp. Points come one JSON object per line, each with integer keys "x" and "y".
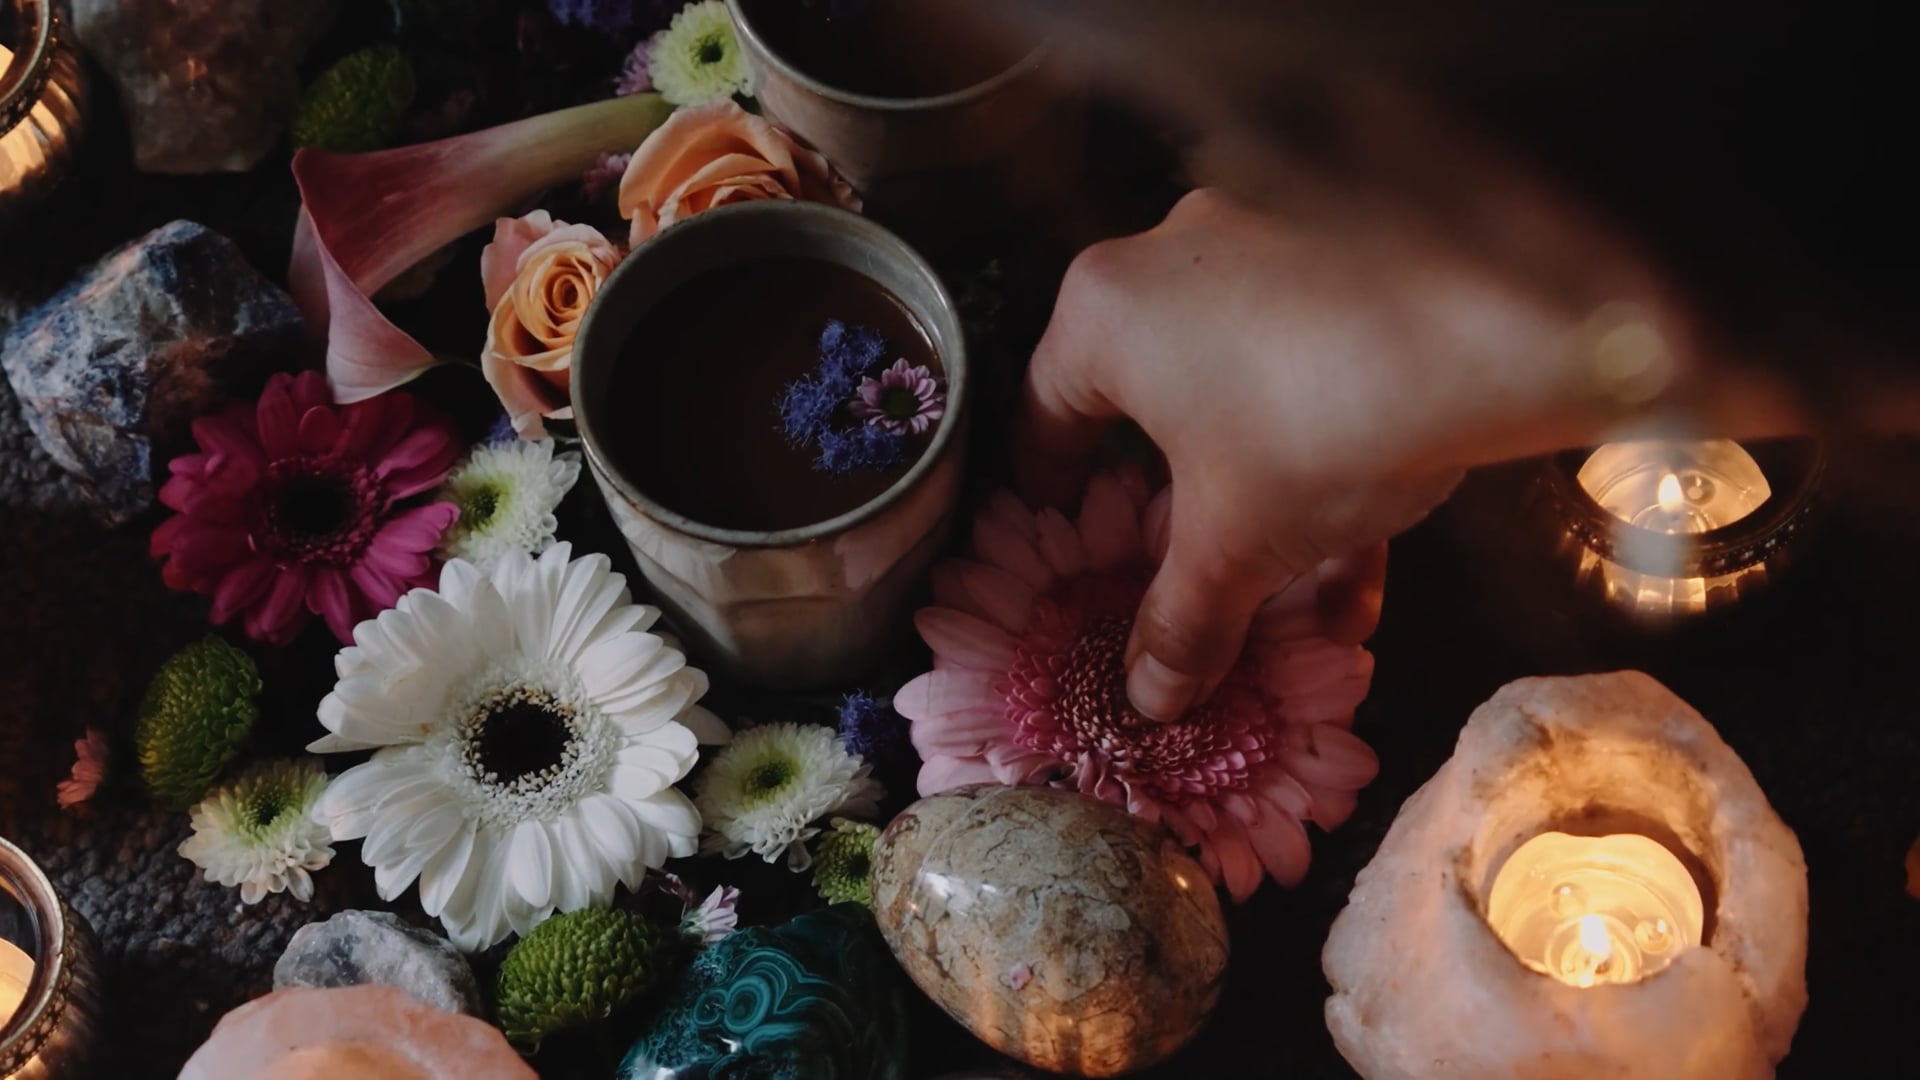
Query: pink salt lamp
{"x": 366, "y": 1032}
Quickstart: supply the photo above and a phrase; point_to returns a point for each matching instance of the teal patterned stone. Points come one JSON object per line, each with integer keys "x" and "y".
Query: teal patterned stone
{"x": 817, "y": 998}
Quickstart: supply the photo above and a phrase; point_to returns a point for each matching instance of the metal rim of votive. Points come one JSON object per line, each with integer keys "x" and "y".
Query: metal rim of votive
{"x": 1750, "y": 541}
{"x": 1020, "y": 68}
{"x": 23, "y": 80}
{"x": 24, "y": 1033}
{"x": 954, "y": 369}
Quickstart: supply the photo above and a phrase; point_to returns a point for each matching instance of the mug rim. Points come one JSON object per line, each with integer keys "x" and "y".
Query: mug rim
{"x": 1019, "y": 69}
{"x": 32, "y": 63}
{"x": 953, "y": 366}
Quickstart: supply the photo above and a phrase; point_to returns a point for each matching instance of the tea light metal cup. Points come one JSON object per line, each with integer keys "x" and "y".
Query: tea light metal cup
{"x": 51, "y": 964}
{"x": 43, "y": 95}
{"x": 809, "y": 606}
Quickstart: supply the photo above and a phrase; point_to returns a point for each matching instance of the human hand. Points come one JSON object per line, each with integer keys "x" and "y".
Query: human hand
{"x": 1272, "y": 368}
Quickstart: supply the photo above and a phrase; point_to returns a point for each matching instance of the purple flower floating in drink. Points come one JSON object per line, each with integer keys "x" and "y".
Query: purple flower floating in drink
{"x": 902, "y": 400}
{"x": 816, "y": 409}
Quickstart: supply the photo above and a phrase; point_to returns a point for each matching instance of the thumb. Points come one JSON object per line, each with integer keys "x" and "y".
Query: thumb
{"x": 1191, "y": 627}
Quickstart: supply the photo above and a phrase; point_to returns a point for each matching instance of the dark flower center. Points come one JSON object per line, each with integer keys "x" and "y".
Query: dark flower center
{"x": 710, "y": 50}
{"x": 520, "y": 737}
{"x": 318, "y": 510}
{"x": 768, "y": 777}
{"x": 899, "y": 403}
{"x": 314, "y": 505}
{"x": 262, "y": 811}
{"x": 478, "y": 506}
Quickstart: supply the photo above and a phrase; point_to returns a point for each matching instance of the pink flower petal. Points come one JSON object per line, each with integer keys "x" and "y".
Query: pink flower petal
{"x": 1239, "y": 862}
{"x": 935, "y": 693}
{"x": 1281, "y": 844}
{"x": 419, "y": 462}
{"x": 966, "y": 733}
{"x": 368, "y": 218}
{"x": 946, "y": 773}
{"x": 319, "y": 430}
{"x": 1060, "y": 543}
{"x": 1014, "y": 766}
{"x": 279, "y": 616}
{"x": 240, "y": 589}
{"x": 1328, "y": 756}
{"x": 967, "y": 640}
{"x": 418, "y": 529}
{"x": 328, "y": 598}
{"x": 1331, "y": 808}
{"x": 999, "y": 544}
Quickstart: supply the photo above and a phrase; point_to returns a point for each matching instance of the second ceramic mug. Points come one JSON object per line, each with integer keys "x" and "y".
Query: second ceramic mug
{"x": 810, "y": 606}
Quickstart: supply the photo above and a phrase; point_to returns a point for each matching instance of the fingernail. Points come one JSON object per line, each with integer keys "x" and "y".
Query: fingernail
{"x": 1159, "y": 691}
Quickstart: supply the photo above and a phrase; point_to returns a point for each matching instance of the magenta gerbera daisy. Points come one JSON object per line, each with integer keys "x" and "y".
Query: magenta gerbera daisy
{"x": 1029, "y": 687}
{"x": 902, "y": 399}
{"x": 294, "y": 505}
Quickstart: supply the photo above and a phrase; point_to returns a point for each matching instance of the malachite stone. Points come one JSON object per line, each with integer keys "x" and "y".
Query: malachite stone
{"x": 817, "y": 998}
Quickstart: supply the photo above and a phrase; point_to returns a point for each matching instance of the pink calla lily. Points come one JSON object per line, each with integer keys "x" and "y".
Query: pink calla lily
{"x": 368, "y": 218}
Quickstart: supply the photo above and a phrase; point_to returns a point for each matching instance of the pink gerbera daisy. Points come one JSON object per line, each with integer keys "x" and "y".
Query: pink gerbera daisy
{"x": 903, "y": 399}
{"x": 294, "y": 505}
{"x": 1028, "y": 687}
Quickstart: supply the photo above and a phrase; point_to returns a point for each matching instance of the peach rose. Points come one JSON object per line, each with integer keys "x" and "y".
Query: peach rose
{"x": 540, "y": 276}
{"x": 711, "y": 155}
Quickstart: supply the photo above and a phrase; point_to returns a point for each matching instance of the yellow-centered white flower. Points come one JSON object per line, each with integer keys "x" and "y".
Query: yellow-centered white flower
{"x": 529, "y": 732}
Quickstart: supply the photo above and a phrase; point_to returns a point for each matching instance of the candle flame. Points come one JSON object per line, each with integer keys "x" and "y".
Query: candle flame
{"x": 1671, "y": 497}
{"x": 1593, "y": 937}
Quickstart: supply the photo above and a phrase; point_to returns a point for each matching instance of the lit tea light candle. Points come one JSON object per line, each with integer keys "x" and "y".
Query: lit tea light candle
{"x": 16, "y": 973}
{"x": 1595, "y": 909}
{"x": 1656, "y": 499}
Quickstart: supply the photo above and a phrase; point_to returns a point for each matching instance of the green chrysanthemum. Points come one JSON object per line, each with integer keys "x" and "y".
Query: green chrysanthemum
{"x": 843, "y": 864}
{"x": 574, "y": 969}
{"x": 358, "y": 103}
{"x": 696, "y": 60}
{"x": 193, "y": 720}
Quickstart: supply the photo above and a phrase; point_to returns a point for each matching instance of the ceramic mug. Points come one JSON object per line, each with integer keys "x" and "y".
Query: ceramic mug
{"x": 937, "y": 167}
{"x": 810, "y": 606}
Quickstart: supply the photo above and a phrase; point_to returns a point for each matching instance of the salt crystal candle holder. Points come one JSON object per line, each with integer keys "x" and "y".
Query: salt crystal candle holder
{"x": 43, "y": 95}
{"x": 1680, "y": 528}
{"x": 1593, "y": 885}
{"x": 50, "y": 988}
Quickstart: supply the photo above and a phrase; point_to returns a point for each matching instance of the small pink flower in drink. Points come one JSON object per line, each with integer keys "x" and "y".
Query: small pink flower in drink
{"x": 903, "y": 399}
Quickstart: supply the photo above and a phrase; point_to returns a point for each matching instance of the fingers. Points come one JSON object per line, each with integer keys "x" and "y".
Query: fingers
{"x": 1059, "y": 426}
{"x": 1352, "y": 589}
{"x": 1191, "y": 627}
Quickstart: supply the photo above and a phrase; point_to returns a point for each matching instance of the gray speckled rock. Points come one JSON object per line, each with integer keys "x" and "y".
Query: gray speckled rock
{"x": 115, "y": 367}
{"x": 1056, "y": 928}
{"x": 208, "y": 85}
{"x": 355, "y": 948}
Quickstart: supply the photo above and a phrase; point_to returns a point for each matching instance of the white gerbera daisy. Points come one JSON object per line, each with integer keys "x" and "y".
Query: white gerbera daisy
{"x": 696, "y": 60}
{"x": 763, "y": 793}
{"x": 530, "y": 731}
{"x": 256, "y": 832}
{"x": 507, "y": 493}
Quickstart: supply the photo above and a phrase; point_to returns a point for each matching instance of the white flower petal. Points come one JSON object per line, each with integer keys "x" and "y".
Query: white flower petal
{"x": 530, "y": 863}
{"x": 672, "y": 815}
{"x": 441, "y": 878}
{"x": 621, "y": 665}
{"x": 708, "y": 729}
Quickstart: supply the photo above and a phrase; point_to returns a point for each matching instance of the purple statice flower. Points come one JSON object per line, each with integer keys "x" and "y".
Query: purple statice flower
{"x": 502, "y": 431}
{"x": 637, "y": 76}
{"x": 807, "y": 408}
{"x": 850, "y": 351}
{"x": 605, "y": 16}
{"x": 869, "y": 726}
{"x": 606, "y": 173}
{"x": 861, "y": 447}
{"x": 902, "y": 400}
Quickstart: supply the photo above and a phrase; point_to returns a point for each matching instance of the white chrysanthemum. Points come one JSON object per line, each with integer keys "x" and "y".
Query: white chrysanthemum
{"x": 764, "y": 793}
{"x": 507, "y": 493}
{"x": 256, "y": 831}
{"x": 696, "y": 59}
{"x": 530, "y": 733}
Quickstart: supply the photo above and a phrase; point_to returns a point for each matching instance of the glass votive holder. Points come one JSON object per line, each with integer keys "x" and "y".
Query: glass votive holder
{"x": 50, "y": 983}
{"x": 43, "y": 93}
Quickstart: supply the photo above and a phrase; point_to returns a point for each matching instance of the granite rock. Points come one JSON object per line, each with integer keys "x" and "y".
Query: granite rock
{"x": 1056, "y": 928}
{"x": 114, "y": 368}
{"x": 812, "y": 999}
{"x": 208, "y": 85}
{"x": 355, "y": 948}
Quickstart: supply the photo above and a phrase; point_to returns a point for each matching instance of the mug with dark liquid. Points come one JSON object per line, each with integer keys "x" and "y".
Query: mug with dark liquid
{"x": 939, "y": 119}
{"x": 777, "y": 572}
